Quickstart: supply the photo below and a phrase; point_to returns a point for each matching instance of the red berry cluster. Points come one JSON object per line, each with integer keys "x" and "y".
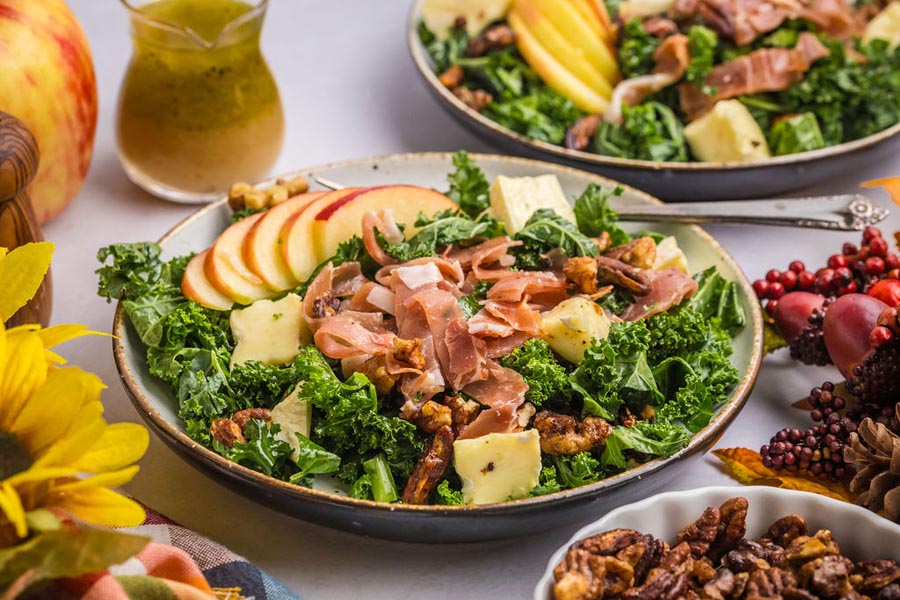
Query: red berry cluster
{"x": 852, "y": 271}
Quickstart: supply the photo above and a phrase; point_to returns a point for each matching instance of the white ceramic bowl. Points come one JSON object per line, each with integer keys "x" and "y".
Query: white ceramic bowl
{"x": 862, "y": 534}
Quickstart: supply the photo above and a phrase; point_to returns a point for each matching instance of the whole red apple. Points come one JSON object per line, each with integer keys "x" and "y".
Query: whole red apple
{"x": 47, "y": 81}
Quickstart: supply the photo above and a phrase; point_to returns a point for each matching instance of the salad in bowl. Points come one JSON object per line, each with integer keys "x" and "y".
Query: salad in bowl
{"x": 401, "y": 345}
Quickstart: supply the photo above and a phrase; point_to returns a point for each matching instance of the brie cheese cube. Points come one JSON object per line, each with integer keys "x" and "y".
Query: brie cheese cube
{"x": 293, "y": 415}
{"x": 267, "y": 331}
{"x": 670, "y": 256}
{"x": 885, "y": 26}
{"x": 727, "y": 133}
{"x": 498, "y": 466}
{"x": 570, "y": 326}
{"x": 514, "y": 199}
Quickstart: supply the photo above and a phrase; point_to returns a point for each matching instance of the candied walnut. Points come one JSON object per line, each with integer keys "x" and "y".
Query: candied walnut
{"x": 644, "y": 555}
{"x": 493, "y": 38}
{"x": 639, "y": 252}
{"x": 615, "y": 272}
{"x": 703, "y": 571}
{"x": 768, "y": 583}
{"x": 325, "y": 305}
{"x": 581, "y": 133}
{"x": 665, "y": 585}
{"x": 581, "y": 271}
{"x": 452, "y": 77}
{"x": 731, "y": 529}
{"x": 891, "y": 592}
{"x": 477, "y": 100}
{"x": 830, "y": 576}
{"x": 242, "y": 417}
{"x": 720, "y": 587}
{"x": 803, "y": 549}
{"x": 659, "y": 27}
{"x": 226, "y": 432}
{"x": 583, "y": 575}
{"x": 428, "y": 416}
{"x": 524, "y": 414}
{"x": 750, "y": 554}
{"x": 603, "y": 241}
{"x": 679, "y": 558}
{"x": 831, "y": 546}
{"x": 409, "y": 352}
{"x": 786, "y": 529}
{"x": 462, "y": 412}
{"x": 610, "y": 543}
{"x": 797, "y": 594}
{"x": 429, "y": 470}
{"x": 874, "y": 575}
{"x": 626, "y": 418}
{"x": 700, "y": 534}
{"x": 565, "y": 435}
{"x": 377, "y": 372}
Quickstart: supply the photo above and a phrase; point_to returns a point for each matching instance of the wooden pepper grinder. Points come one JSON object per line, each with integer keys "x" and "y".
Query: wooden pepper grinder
{"x": 18, "y": 225}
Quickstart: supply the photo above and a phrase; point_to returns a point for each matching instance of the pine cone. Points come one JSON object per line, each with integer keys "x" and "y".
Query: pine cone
{"x": 875, "y": 451}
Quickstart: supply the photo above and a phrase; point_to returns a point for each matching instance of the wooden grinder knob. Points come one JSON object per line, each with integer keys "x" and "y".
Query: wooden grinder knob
{"x": 18, "y": 225}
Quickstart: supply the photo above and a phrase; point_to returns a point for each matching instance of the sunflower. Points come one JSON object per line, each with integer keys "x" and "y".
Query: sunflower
{"x": 57, "y": 452}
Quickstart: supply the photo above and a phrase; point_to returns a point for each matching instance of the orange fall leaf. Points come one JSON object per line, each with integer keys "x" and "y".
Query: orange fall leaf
{"x": 746, "y": 466}
{"x": 890, "y": 184}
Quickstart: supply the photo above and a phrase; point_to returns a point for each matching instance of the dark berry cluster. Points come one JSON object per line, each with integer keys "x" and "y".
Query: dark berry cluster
{"x": 852, "y": 271}
{"x": 809, "y": 346}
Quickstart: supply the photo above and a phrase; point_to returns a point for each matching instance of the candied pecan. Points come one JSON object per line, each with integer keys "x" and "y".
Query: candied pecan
{"x": 603, "y": 241}
{"x": 462, "y": 412}
{"x": 428, "y": 416}
{"x": 563, "y": 434}
{"x": 477, "y": 100}
{"x": 626, "y": 417}
{"x": 731, "y": 529}
{"x": 226, "y": 432}
{"x": 242, "y": 417}
{"x": 581, "y": 271}
{"x": 430, "y": 468}
{"x": 659, "y": 27}
{"x": 768, "y": 583}
{"x": 786, "y": 529}
{"x": 793, "y": 593}
{"x": 876, "y": 574}
{"x": 679, "y": 558}
{"x": 610, "y": 270}
{"x": 701, "y": 533}
{"x": 459, "y": 22}
{"x": 703, "y": 571}
{"x": 582, "y": 131}
{"x": 644, "y": 556}
{"x": 804, "y": 548}
{"x": 830, "y": 576}
{"x": 493, "y": 38}
{"x": 749, "y": 554}
{"x": 721, "y": 586}
{"x": 409, "y": 352}
{"x": 639, "y": 252}
{"x": 666, "y": 585}
{"x": 452, "y": 77}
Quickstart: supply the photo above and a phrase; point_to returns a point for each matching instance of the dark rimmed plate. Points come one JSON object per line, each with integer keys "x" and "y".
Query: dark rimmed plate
{"x": 668, "y": 180}
{"x": 157, "y": 405}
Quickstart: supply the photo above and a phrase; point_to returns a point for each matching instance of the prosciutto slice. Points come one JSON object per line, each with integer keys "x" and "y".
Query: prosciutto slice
{"x": 668, "y": 288}
{"x": 502, "y": 393}
{"x": 383, "y": 221}
{"x": 764, "y": 70}
{"x": 542, "y": 288}
{"x": 672, "y": 58}
{"x": 344, "y": 336}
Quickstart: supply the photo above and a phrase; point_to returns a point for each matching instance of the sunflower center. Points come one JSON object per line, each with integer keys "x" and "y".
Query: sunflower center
{"x": 14, "y": 457}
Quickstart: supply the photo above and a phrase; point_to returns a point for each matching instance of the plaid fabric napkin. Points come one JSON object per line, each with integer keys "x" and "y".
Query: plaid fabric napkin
{"x": 178, "y": 564}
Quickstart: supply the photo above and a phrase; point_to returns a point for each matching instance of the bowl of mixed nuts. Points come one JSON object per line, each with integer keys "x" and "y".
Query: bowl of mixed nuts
{"x": 729, "y": 543}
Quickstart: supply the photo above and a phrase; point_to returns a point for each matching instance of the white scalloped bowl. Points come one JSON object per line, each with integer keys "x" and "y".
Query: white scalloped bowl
{"x": 863, "y": 535}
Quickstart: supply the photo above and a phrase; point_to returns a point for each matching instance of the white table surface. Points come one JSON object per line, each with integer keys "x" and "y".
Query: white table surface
{"x": 350, "y": 90}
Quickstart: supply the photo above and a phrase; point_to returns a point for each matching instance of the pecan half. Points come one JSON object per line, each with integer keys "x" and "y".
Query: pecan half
{"x": 700, "y": 534}
{"x": 610, "y": 270}
{"x": 477, "y": 100}
{"x": 582, "y": 131}
{"x": 242, "y": 417}
{"x": 731, "y": 529}
{"x": 226, "y": 432}
{"x": 452, "y": 77}
{"x": 565, "y": 435}
{"x": 639, "y": 252}
{"x": 493, "y": 38}
{"x": 876, "y": 574}
{"x": 430, "y": 468}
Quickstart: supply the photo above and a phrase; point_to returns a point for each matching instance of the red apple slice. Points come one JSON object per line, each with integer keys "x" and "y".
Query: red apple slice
{"x": 262, "y": 244}
{"x": 298, "y": 251}
{"x": 196, "y": 286}
{"x": 225, "y": 267}
{"x": 343, "y": 218}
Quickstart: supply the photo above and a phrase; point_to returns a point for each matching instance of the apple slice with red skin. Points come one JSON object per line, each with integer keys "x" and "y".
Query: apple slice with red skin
{"x": 196, "y": 285}
{"x": 225, "y": 267}
{"x": 262, "y": 244}
{"x": 343, "y": 218}
{"x": 297, "y": 250}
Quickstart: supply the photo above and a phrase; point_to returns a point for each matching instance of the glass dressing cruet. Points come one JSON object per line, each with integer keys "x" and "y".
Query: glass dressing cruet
{"x": 198, "y": 108}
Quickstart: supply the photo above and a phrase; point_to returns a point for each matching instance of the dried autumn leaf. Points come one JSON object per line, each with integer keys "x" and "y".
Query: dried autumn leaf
{"x": 746, "y": 466}
{"x": 890, "y": 184}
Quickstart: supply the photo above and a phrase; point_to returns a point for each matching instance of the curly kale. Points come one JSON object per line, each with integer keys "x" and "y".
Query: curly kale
{"x": 441, "y": 230}
{"x": 545, "y": 231}
{"x": 649, "y": 131}
{"x": 548, "y": 381}
{"x": 636, "y": 50}
{"x": 262, "y": 451}
{"x": 469, "y": 187}
{"x": 594, "y": 215}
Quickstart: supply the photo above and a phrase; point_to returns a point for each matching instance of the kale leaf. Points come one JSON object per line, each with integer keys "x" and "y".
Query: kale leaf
{"x": 546, "y": 230}
{"x": 312, "y": 459}
{"x": 654, "y": 439}
{"x": 468, "y": 186}
{"x": 548, "y": 381}
{"x": 442, "y": 229}
{"x": 799, "y": 133}
{"x": 702, "y": 45}
{"x": 636, "y": 50}
{"x": 649, "y": 131}
{"x": 444, "y": 53}
{"x": 447, "y": 496}
{"x": 594, "y": 215}
{"x": 577, "y": 470}
{"x": 262, "y": 451}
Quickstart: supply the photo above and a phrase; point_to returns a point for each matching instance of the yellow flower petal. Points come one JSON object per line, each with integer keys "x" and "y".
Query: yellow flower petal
{"x": 22, "y": 272}
{"x": 84, "y": 430}
{"x": 102, "y": 507}
{"x": 57, "y": 334}
{"x": 23, "y": 372}
{"x": 12, "y": 507}
{"x": 109, "y": 480}
{"x": 41, "y": 474}
{"x": 3, "y": 252}
{"x": 53, "y": 406}
{"x": 121, "y": 444}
